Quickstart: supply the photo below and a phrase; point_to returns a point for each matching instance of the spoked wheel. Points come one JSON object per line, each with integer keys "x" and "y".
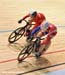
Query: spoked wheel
{"x": 16, "y": 34}
{"x": 25, "y": 53}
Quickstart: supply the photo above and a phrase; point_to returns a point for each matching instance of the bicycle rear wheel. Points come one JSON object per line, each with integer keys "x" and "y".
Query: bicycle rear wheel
{"x": 16, "y": 35}
{"x": 25, "y": 53}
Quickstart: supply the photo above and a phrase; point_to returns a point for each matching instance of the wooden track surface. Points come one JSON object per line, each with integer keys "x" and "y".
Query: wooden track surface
{"x": 13, "y": 10}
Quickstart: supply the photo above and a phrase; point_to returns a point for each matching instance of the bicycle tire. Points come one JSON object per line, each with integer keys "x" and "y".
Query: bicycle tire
{"x": 17, "y": 35}
{"x": 25, "y": 53}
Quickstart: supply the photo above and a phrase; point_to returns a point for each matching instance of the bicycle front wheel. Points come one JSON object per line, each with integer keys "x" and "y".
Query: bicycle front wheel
{"x": 25, "y": 52}
{"x": 16, "y": 35}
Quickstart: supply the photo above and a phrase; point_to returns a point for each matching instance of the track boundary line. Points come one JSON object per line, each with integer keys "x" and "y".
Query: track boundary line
{"x": 13, "y": 59}
{"x": 4, "y": 31}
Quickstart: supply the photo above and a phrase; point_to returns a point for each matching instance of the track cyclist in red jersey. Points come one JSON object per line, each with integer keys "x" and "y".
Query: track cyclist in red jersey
{"x": 35, "y": 17}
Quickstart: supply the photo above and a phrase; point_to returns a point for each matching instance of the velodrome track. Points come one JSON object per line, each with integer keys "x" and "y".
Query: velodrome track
{"x": 54, "y": 58}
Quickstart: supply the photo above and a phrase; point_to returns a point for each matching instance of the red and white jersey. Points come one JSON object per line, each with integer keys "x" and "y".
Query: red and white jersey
{"x": 52, "y": 28}
{"x": 38, "y": 19}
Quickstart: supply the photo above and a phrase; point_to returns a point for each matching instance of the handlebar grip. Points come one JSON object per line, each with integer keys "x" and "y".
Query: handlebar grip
{"x": 20, "y": 21}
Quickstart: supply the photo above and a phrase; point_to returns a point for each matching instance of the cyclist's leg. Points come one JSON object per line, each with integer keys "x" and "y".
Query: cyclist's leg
{"x": 34, "y": 27}
{"x": 37, "y": 52}
{"x": 33, "y": 32}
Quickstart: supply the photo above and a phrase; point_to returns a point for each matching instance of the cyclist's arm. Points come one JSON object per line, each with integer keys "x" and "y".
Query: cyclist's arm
{"x": 26, "y": 16}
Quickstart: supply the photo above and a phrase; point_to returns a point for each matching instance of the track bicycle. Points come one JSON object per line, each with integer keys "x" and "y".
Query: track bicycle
{"x": 27, "y": 50}
{"x": 18, "y": 33}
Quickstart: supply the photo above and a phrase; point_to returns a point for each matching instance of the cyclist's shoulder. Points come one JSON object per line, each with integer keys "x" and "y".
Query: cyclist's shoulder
{"x": 41, "y": 14}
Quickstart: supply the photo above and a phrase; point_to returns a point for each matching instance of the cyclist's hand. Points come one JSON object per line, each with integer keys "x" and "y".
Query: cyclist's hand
{"x": 20, "y": 21}
{"x": 28, "y": 23}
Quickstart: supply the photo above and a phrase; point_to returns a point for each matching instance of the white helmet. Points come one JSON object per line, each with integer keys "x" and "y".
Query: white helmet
{"x": 45, "y": 26}
{"x": 33, "y": 13}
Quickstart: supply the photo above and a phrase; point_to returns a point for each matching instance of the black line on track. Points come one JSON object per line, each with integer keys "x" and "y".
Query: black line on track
{"x": 55, "y": 65}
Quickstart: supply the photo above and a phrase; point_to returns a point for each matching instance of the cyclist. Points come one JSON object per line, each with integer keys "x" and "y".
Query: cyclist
{"x": 47, "y": 29}
{"x": 34, "y": 16}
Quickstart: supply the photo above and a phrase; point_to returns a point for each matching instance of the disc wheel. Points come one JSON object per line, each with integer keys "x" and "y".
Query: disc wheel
{"x": 16, "y": 35}
{"x": 25, "y": 53}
